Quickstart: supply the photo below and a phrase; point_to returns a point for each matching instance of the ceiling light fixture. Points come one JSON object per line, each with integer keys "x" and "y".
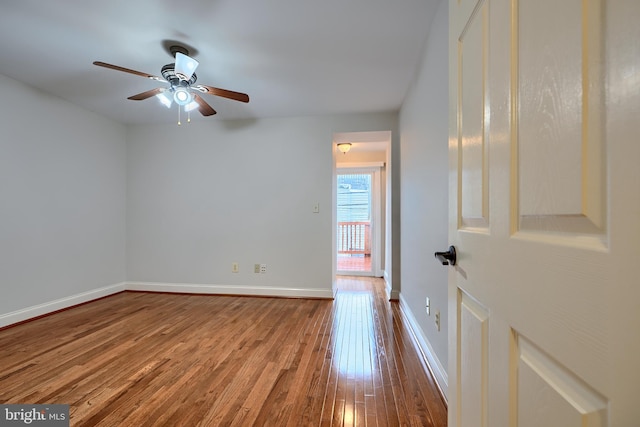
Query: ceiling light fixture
{"x": 344, "y": 147}
{"x": 191, "y": 106}
{"x": 182, "y": 96}
{"x": 165, "y": 99}
{"x": 185, "y": 66}
{"x": 181, "y": 78}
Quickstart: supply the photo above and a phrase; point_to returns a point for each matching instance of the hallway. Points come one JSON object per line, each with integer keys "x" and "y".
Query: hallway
{"x": 377, "y": 361}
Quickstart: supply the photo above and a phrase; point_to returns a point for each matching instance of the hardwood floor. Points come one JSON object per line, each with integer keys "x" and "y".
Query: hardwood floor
{"x": 143, "y": 359}
{"x": 353, "y": 263}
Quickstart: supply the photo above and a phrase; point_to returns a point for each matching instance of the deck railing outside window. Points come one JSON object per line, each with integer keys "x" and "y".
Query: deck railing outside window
{"x": 354, "y": 237}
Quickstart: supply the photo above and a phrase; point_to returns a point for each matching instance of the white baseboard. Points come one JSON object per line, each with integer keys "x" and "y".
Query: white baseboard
{"x": 62, "y": 303}
{"x": 59, "y": 304}
{"x": 190, "y": 288}
{"x": 433, "y": 363}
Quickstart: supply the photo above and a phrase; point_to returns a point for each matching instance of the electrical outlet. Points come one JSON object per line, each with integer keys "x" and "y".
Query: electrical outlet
{"x": 235, "y": 267}
{"x": 256, "y": 268}
{"x": 428, "y": 306}
{"x": 263, "y": 268}
{"x": 438, "y": 320}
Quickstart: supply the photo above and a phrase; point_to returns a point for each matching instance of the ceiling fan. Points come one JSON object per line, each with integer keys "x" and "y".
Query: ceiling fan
{"x": 181, "y": 79}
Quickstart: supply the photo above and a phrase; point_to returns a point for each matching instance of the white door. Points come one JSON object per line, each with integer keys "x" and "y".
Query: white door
{"x": 544, "y": 301}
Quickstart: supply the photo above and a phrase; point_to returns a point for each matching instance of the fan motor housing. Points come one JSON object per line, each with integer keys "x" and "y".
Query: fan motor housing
{"x": 169, "y": 74}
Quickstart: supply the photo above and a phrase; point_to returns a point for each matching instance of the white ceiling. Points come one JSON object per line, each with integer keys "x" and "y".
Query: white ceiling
{"x": 293, "y": 57}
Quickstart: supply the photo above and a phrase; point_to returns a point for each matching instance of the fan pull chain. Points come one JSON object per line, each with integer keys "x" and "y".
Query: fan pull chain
{"x": 188, "y": 116}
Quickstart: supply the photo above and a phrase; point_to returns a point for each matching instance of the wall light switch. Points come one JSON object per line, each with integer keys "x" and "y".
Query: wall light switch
{"x": 316, "y": 208}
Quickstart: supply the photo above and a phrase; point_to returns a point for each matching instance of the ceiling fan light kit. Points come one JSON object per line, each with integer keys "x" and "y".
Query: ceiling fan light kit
{"x": 185, "y": 66}
{"x": 164, "y": 99}
{"x": 181, "y": 78}
{"x": 182, "y": 96}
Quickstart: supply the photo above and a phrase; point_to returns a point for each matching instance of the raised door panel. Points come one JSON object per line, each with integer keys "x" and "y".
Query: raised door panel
{"x": 473, "y": 175}
{"x": 545, "y": 393}
{"x": 474, "y": 348}
{"x": 559, "y": 180}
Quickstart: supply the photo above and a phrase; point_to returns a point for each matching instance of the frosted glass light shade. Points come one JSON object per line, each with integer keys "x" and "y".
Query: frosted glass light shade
{"x": 191, "y": 106}
{"x": 165, "y": 99}
{"x": 185, "y": 66}
{"x": 344, "y": 147}
{"x": 182, "y": 96}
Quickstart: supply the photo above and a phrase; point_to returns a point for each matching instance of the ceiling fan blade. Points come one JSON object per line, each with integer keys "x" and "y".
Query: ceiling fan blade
{"x": 147, "y": 94}
{"x": 128, "y": 70}
{"x": 204, "y": 108}
{"x": 236, "y": 96}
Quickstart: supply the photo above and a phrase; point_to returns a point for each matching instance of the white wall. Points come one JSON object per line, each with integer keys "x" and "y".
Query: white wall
{"x": 62, "y": 193}
{"x": 424, "y": 188}
{"x": 204, "y": 195}
{"x": 90, "y": 207}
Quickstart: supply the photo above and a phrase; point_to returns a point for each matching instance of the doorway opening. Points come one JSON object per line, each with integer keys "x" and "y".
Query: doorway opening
{"x": 354, "y": 217}
{"x": 360, "y": 204}
{"x": 359, "y": 219}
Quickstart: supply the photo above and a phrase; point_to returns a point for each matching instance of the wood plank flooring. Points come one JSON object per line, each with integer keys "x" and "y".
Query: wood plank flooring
{"x": 144, "y": 359}
{"x": 348, "y": 264}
